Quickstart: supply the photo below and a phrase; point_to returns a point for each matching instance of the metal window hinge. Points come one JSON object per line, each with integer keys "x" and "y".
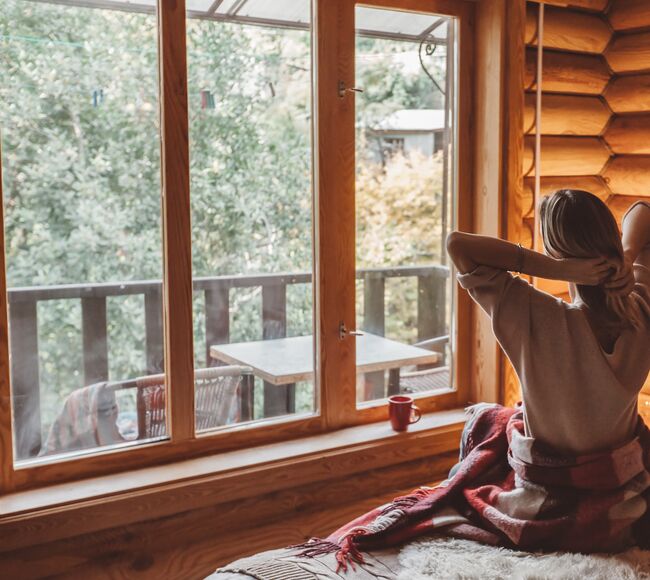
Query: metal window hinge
{"x": 343, "y": 332}
{"x": 343, "y": 89}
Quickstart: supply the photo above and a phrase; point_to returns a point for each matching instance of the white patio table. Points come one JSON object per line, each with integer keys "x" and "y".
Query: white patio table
{"x": 285, "y": 361}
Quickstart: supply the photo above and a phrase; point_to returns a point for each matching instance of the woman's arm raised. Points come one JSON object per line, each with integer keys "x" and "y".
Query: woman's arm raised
{"x": 636, "y": 248}
{"x": 468, "y": 251}
{"x": 636, "y": 230}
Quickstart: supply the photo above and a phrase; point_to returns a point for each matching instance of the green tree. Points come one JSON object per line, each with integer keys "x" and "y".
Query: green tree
{"x": 79, "y": 116}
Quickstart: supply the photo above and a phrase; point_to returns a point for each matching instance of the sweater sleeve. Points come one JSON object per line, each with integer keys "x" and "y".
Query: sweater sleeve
{"x": 506, "y": 299}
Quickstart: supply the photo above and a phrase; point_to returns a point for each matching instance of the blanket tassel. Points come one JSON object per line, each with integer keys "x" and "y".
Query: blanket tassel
{"x": 346, "y": 553}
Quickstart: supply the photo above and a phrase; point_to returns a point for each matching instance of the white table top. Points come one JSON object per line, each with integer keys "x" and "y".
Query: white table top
{"x": 290, "y": 360}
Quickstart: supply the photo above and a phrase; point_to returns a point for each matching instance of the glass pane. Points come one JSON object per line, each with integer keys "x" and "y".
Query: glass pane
{"x": 407, "y": 25}
{"x": 250, "y": 156}
{"x": 405, "y": 192}
{"x": 81, "y": 160}
{"x": 285, "y": 10}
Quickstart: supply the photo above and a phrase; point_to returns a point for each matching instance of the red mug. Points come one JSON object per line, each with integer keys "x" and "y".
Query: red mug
{"x": 402, "y": 412}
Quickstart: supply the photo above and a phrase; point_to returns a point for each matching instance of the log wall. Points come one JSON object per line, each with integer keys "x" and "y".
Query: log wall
{"x": 595, "y": 117}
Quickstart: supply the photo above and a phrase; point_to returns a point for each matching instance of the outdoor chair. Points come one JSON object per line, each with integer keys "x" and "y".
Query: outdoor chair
{"x": 219, "y": 399}
{"x": 429, "y": 379}
{"x": 91, "y": 416}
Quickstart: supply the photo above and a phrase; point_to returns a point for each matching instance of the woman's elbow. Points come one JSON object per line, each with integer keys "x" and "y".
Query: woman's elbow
{"x": 458, "y": 250}
{"x": 454, "y": 241}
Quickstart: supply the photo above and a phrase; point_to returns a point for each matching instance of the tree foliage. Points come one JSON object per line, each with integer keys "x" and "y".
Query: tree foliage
{"x": 79, "y": 116}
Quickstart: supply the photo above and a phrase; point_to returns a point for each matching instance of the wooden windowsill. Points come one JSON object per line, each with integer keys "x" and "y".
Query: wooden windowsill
{"x": 43, "y": 515}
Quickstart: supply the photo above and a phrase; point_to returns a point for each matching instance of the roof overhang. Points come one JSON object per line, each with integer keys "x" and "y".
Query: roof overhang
{"x": 294, "y": 14}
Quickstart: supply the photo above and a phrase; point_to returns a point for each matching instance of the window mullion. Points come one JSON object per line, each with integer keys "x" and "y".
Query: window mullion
{"x": 177, "y": 238}
{"x": 335, "y": 210}
{"x": 6, "y": 445}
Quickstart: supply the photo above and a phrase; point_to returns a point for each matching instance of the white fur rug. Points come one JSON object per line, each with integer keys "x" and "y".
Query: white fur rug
{"x": 453, "y": 559}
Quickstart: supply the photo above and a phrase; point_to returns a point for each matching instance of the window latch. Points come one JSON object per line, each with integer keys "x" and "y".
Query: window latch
{"x": 343, "y": 332}
{"x": 343, "y": 89}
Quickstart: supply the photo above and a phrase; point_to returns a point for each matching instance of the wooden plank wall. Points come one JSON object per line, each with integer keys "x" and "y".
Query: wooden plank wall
{"x": 595, "y": 120}
{"x": 574, "y": 114}
{"x": 628, "y": 96}
{"x": 514, "y": 200}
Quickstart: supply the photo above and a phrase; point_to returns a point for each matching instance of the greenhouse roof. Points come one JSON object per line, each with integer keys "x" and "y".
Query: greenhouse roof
{"x": 373, "y": 22}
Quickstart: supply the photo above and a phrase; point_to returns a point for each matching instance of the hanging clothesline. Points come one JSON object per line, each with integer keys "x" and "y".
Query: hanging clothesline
{"x": 538, "y": 126}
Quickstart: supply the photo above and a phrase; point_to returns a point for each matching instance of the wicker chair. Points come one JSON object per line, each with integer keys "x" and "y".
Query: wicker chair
{"x": 431, "y": 379}
{"x": 219, "y": 393}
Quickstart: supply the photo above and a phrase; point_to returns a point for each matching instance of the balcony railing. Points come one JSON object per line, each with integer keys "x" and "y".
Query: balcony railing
{"x": 23, "y": 318}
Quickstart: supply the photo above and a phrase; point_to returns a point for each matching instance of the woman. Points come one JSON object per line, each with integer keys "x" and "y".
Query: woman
{"x": 569, "y": 469}
{"x": 581, "y": 365}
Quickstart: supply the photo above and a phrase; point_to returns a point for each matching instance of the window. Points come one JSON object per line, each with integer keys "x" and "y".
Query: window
{"x": 83, "y": 245}
{"x": 202, "y": 212}
{"x": 404, "y": 201}
{"x": 391, "y": 145}
{"x": 251, "y": 165}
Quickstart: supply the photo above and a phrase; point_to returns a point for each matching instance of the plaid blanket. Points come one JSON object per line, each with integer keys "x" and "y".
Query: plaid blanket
{"x": 87, "y": 420}
{"x": 511, "y": 490}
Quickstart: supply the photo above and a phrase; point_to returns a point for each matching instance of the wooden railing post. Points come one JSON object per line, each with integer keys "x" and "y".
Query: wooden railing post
{"x": 374, "y": 288}
{"x": 217, "y": 316}
{"x": 278, "y": 399}
{"x": 25, "y": 391}
{"x": 432, "y": 302}
{"x": 153, "y": 330}
{"x": 95, "y": 340}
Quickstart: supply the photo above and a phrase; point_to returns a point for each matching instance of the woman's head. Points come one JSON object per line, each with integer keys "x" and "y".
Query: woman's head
{"x": 577, "y": 224}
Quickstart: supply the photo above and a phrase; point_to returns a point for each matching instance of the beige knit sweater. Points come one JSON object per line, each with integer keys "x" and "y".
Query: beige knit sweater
{"x": 577, "y": 397}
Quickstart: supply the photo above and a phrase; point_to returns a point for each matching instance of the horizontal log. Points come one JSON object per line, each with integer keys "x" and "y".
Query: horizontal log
{"x": 567, "y": 115}
{"x": 526, "y": 239}
{"x": 566, "y": 156}
{"x": 619, "y": 204}
{"x": 555, "y": 287}
{"x": 629, "y": 14}
{"x": 568, "y": 30}
{"x": 548, "y": 185}
{"x": 629, "y": 53}
{"x": 629, "y": 134}
{"x": 629, "y": 175}
{"x": 565, "y": 72}
{"x": 592, "y": 5}
{"x": 629, "y": 94}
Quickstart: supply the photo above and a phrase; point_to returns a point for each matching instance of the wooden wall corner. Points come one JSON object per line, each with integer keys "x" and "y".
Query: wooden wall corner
{"x": 498, "y": 180}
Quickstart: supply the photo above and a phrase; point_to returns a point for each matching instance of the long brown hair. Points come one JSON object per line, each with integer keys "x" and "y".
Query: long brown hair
{"x": 577, "y": 224}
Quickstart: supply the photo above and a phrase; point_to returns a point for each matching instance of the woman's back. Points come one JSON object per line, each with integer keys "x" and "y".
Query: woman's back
{"x": 577, "y": 397}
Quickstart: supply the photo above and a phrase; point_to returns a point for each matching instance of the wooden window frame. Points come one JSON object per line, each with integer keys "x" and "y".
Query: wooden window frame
{"x": 332, "y": 47}
{"x": 335, "y": 135}
{"x": 229, "y": 481}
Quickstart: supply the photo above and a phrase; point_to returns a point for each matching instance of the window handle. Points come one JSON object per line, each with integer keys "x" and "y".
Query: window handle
{"x": 343, "y": 89}
{"x": 343, "y": 332}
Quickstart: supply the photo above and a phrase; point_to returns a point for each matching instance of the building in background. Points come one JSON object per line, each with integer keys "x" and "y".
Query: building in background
{"x": 409, "y": 130}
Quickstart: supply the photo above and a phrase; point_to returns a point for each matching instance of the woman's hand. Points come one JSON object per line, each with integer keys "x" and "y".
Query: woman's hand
{"x": 585, "y": 271}
{"x": 621, "y": 282}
